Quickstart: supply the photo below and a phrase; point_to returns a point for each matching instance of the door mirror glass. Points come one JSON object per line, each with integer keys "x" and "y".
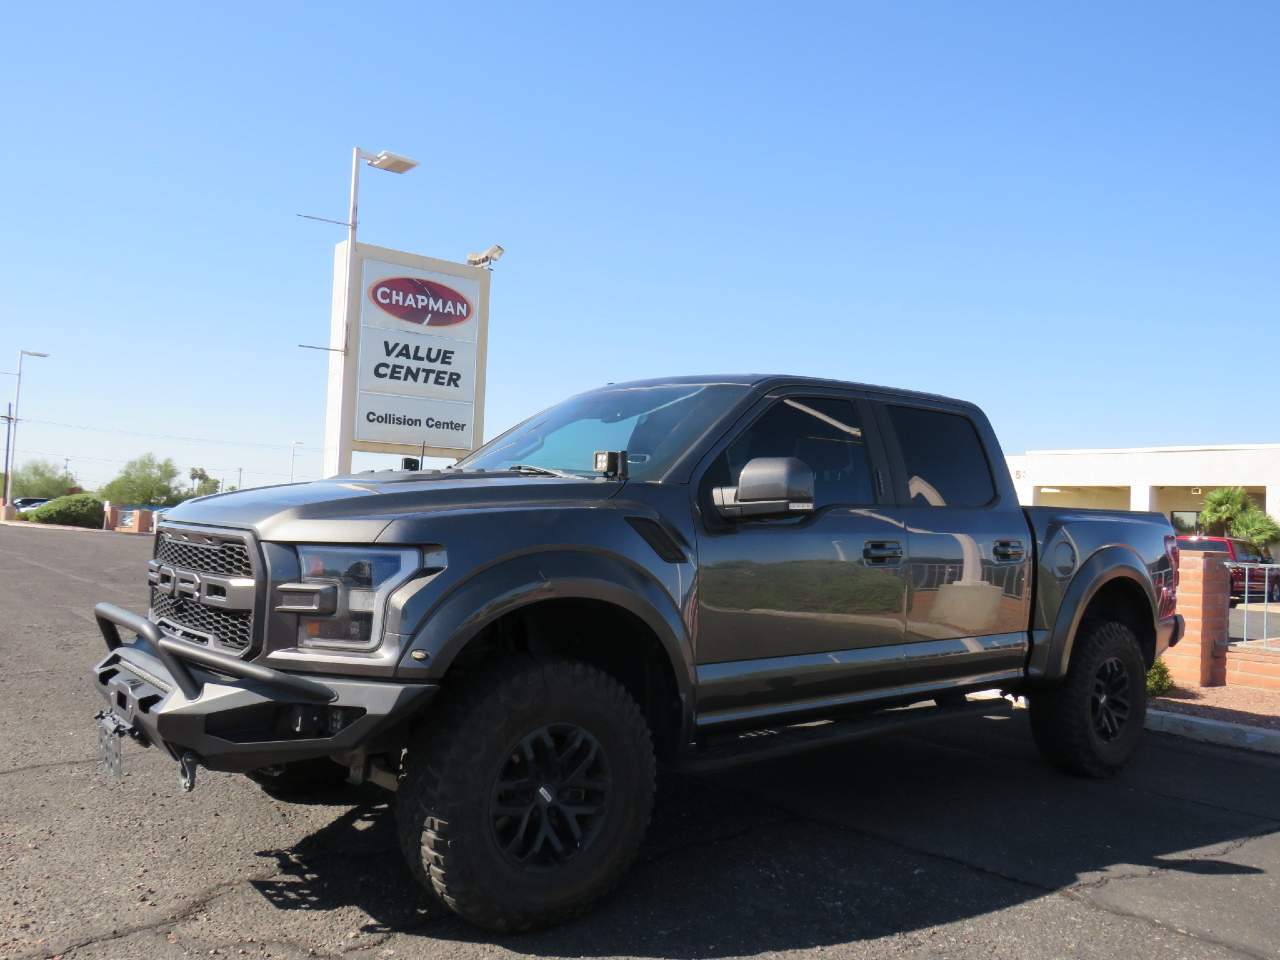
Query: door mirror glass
{"x": 767, "y": 487}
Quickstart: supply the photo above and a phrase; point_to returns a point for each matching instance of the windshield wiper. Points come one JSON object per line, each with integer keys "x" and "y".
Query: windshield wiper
{"x": 543, "y": 471}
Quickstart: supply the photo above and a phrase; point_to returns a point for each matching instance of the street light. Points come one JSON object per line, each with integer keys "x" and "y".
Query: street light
{"x": 293, "y": 456}
{"x": 11, "y": 446}
{"x": 382, "y": 160}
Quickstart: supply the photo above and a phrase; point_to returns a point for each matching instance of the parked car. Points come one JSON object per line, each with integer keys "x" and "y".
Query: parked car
{"x": 27, "y": 504}
{"x": 647, "y": 571}
{"x": 1261, "y": 582}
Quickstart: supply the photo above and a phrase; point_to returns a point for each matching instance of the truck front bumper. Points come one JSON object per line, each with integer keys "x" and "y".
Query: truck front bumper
{"x": 234, "y": 715}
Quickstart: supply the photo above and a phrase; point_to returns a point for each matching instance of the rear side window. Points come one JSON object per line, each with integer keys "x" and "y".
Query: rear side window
{"x": 1216, "y": 546}
{"x": 946, "y": 465}
{"x": 1245, "y": 553}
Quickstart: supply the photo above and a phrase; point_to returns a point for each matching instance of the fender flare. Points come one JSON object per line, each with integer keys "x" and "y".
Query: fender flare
{"x": 1103, "y": 566}
{"x": 470, "y": 606}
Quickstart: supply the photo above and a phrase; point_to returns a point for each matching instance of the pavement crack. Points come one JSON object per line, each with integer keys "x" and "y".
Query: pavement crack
{"x": 44, "y": 766}
{"x": 200, "y": 902}
{"x": 1077, "y": 892}
{"x": 1079, "y": 895}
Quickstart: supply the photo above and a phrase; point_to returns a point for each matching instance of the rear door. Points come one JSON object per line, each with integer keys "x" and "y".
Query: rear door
{"x": 969, "y": 546}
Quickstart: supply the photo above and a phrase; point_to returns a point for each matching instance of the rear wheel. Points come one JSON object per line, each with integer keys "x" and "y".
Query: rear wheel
{"x": 1091, "y": 723}
{"x": 525, "y": 799}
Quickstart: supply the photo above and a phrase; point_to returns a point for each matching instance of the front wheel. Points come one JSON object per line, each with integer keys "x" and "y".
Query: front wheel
{"x": 525, "y": 799}
{"x": 1091, "y": 723}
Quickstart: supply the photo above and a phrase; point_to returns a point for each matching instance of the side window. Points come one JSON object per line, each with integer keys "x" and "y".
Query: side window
{"x": 823, "y": 432}
{"x": 946, "y": 465}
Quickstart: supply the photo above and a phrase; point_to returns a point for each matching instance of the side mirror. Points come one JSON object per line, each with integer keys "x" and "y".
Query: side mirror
{"x": 767, "y": 487}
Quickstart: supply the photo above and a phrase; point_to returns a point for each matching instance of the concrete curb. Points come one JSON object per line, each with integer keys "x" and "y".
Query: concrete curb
{"x": 29, "y": 525}
{"x": 1237, "y": 735}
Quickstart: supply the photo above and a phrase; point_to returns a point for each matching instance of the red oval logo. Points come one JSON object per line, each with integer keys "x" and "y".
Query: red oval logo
{"x": 420, "y": 301}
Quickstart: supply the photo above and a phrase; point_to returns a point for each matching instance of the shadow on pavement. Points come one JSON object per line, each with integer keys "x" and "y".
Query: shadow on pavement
{"x": 858, "y": 842}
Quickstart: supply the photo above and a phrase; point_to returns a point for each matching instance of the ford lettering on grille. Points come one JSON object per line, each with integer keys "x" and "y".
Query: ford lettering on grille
{"x": 203, "y": 589}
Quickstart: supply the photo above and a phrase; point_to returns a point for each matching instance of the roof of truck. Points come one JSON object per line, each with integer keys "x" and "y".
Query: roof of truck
{"x": 768, "y": 381}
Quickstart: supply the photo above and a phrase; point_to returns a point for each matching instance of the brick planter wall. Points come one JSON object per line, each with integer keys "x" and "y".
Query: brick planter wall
{"x": 1204, "y": 596}
{"x": 1253, "y": 668}
{"x": 1203, "y": 659}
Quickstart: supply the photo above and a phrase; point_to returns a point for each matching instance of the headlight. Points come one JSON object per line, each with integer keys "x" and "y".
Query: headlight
{"x": 349, "y": 615}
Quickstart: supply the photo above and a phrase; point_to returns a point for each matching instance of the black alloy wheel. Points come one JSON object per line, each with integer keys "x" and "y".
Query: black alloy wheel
{"x": 550, "y": 796}
{"x": 1110, "y": 704}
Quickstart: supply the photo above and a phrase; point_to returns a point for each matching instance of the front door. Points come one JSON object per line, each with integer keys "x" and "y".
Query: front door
{"x": 792, "y": 608}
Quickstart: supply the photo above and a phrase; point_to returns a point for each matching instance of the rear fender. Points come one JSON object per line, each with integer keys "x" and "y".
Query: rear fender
{"x": 1051, "y": 655}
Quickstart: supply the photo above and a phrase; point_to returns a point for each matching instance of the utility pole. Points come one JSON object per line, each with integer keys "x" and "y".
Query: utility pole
{"x": 8, "y": 428}
{"x": 239, "y": 478}
{"x": 13, "y": 427}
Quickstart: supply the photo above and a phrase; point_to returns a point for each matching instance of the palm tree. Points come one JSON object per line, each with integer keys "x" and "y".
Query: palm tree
{"x": 1222, "y": 508}
{"x": 1257, "y": 527}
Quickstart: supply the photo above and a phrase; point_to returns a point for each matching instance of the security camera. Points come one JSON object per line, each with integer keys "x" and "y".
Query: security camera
{"x": 490, "y": 256}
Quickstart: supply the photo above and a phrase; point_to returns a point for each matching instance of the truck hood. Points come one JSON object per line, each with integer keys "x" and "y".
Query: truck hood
{"x": 359, "y": 507}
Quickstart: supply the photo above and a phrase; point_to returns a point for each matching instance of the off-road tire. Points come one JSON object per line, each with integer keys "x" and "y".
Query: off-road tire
{"x": 300, "y": 777}
{"x": 1065, "y": 718}
{"x": 449, "y": 829}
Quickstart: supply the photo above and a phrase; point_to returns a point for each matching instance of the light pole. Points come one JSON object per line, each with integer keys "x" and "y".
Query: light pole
{"x": 13, "y": 427}
{"x": 337, "y": 455}
{"x": 383, "y": 160}
{"x": 293, "y": 456}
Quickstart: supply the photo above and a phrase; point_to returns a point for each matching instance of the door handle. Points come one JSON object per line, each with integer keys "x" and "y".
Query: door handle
{"x": 882, "y": 552}
{"x": 1007, "y": 550}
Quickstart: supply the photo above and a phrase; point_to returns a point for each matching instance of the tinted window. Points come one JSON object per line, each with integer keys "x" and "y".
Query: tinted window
{"x": 654, "y": 423}
{"x": 823, "y": 432}
{"x": 1218, "y": 546}
{"x": 946, "y": 465}
{"x": 1245, "y": 553}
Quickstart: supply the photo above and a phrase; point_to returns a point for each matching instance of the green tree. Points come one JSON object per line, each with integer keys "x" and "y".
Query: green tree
{"x": 144, "y": 481}
{"x": 202, "y": 485}
{"x": 1222, "y": 507}
{"x": 41, "y": 478}
{"x": 1257, "y": 527}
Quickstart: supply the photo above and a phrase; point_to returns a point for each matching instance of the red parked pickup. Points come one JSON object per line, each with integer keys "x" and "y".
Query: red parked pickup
{"x": 1241, "y": 551}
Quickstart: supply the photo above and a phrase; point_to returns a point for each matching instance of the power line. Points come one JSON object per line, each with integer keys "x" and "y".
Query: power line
{"x": 84, "y": 457}
{"x": 167, "y": 436}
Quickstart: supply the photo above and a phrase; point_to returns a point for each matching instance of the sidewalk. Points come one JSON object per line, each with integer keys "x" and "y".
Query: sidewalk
{"x": 1234, "y": 716}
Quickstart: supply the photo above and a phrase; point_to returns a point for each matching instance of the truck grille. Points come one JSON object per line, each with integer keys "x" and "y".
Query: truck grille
{"x": 227, "y": 557}
{"x": 188, "y": 620}
{"x": 201, "y": 587}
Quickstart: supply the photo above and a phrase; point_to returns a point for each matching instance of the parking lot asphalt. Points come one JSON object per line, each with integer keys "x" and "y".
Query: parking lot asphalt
{"x": 954, "y": 842}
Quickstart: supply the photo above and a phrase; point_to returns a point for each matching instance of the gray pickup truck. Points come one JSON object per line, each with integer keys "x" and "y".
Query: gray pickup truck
{"x": 648, "y": 572}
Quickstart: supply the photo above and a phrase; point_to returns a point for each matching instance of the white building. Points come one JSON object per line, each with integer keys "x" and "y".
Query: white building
{"x": 1172, "y": 480}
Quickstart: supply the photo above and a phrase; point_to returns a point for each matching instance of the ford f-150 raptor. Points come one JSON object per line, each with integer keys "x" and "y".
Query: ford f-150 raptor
{"x": 648, "y": 572}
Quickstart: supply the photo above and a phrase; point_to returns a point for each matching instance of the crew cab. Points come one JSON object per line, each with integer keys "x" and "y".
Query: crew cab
{"x": 647, "y": 572}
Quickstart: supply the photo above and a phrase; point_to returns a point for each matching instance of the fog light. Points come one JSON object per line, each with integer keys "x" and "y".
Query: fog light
{"x": 309, "y": 722}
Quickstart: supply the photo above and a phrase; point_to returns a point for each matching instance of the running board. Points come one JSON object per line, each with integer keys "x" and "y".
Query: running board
{"x": 766, "y": 744}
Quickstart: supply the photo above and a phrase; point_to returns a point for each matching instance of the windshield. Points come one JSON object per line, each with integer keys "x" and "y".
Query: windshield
{"x": 654, "y": 424}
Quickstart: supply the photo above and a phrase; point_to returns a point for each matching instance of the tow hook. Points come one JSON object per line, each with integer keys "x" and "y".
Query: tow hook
{"x": 187, "y": 771}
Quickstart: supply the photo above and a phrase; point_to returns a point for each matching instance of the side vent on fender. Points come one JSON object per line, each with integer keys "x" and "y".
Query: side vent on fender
{"x": 658, "y": 537}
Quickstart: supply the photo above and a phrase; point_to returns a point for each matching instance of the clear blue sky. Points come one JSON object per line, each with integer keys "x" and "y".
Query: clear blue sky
{"x": 1068, "y": 213}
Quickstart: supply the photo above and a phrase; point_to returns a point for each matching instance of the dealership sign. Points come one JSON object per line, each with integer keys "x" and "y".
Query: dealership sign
{"x": 411, "y": 373}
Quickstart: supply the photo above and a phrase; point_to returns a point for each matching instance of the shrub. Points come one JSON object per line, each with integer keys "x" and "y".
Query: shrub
{"x": 77, "y": 510}
{"x": 1159, "y": 681}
